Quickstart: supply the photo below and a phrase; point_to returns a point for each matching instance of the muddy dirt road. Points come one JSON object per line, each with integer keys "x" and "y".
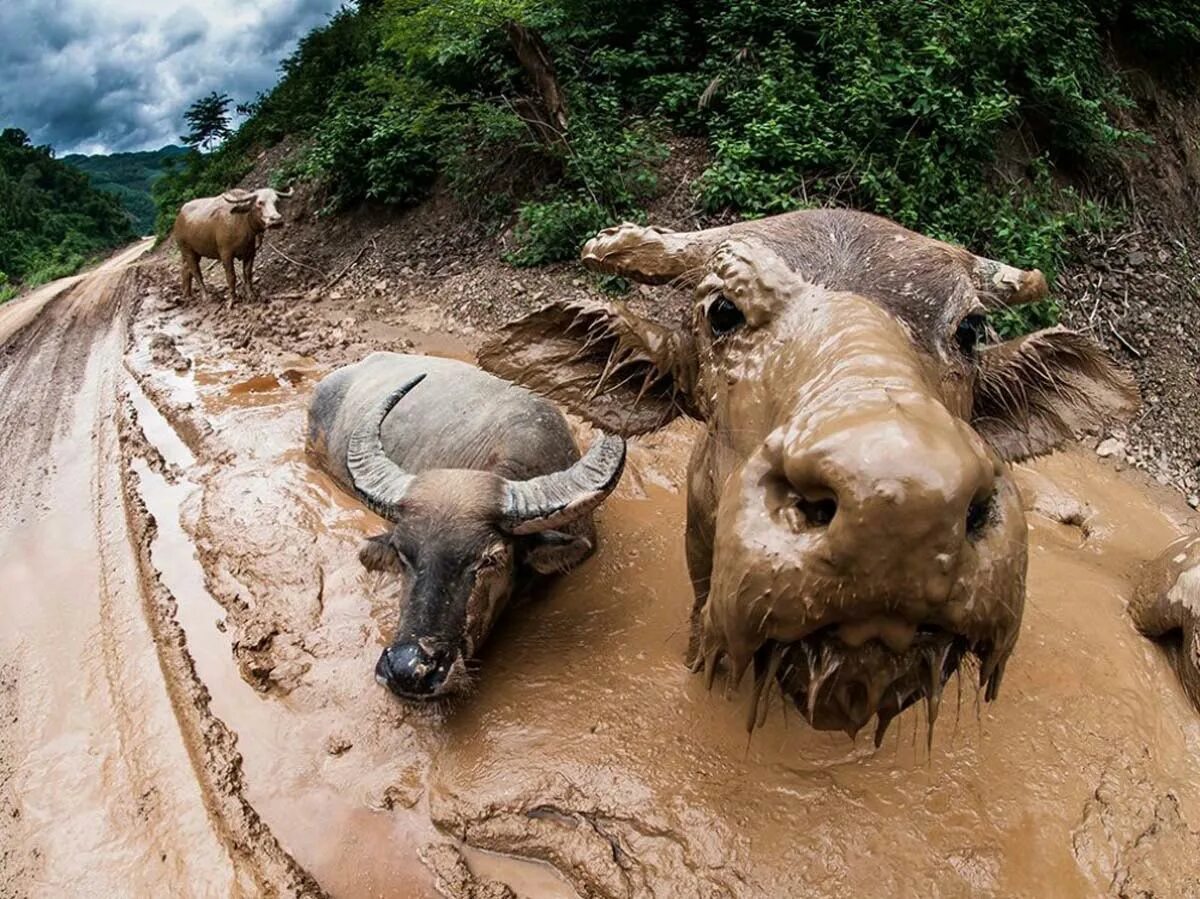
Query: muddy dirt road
{"x": 186, "y": 674}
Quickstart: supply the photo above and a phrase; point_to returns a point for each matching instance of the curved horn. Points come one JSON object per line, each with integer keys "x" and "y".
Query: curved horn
{"x": 285, "y": 194}
{"x": 1003, "y": 285}
{"x": 379, "y": 481}
{"x": 652, "y": 255}
{"x": 553, "y": 500}
{"x": 235, "y": 196}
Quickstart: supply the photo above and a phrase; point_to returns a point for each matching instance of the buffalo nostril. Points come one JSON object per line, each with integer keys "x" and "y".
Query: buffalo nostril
{"x": 979, "y": 514}
{"x": 818, "y": 512}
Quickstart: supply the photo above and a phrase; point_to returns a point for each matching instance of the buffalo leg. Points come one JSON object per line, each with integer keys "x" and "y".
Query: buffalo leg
{"x": 248, "y": 278}
{"x": 191, "y": 271}
{"x": 230, "y": 279}
{"x": 698, "y": 546}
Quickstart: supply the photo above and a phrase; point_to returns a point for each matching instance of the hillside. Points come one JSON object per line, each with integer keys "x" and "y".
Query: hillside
{"x": 52, "y": 220}
{"x": 129, "y": 177}
{"x": 1055, "y": 135}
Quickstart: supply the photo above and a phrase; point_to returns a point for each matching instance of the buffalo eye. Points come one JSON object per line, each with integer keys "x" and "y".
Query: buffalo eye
{"x": 970, "y": 333}
{"x": 724, "y": 316}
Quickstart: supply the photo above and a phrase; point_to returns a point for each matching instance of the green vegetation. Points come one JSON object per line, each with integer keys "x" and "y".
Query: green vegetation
{"x": 208, "y": 121}
{"x": 965, "y": 119}
{"x": 52, "y": 220}
{"x": 130, "y": 178}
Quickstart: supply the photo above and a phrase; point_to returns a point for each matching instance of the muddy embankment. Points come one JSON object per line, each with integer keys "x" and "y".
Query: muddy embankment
{"x": 189, "y": 674}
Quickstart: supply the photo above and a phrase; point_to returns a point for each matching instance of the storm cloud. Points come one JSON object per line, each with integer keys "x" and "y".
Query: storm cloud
{"x": 98, "y": 76}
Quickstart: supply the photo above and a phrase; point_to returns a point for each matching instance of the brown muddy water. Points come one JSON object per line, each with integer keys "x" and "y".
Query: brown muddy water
{"x": 588, "y": 762}
{"x": 590, "y": 749}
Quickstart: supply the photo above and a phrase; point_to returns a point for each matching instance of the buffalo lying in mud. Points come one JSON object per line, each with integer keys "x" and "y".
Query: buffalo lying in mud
{"x": 854, "y": 532}
{"x": 486, "y": 489}
{"x": 1167, "y": 605}
{"x": 227, "y": 227}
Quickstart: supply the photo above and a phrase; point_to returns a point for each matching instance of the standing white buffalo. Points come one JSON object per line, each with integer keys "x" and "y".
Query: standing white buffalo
{"x": 227, "y": 227}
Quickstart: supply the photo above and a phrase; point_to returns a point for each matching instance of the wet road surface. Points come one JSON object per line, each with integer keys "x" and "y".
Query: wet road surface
{"x": 189, "y": 644}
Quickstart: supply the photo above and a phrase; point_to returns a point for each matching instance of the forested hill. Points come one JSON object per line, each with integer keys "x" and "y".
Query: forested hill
{"x": 129, "y": 177}
{"x": 974, "y": 120}
{"x": 52, "y": 219}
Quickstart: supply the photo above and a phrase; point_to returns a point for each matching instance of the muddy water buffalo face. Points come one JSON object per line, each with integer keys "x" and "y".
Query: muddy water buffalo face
{"x": 261, "y": 205}
{"x": 460, "y": 540}
{"x": 853, "y": 529}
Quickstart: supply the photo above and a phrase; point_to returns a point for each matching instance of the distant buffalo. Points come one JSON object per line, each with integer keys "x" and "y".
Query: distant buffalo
{"x": 227, "y": 227}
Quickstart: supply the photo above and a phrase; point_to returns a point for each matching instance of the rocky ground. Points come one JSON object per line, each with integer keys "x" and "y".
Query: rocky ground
{"x": 1136, "y": 286}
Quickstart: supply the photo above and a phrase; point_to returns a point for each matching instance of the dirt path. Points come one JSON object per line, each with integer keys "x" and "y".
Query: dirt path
{"x": 99, "y": 788}
{"x": 188, "y": 672}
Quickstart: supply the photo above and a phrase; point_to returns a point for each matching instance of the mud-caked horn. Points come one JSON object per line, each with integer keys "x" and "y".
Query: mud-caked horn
{"x": 1004, "y": 285}
{"x": 553, "y": 500}
{"x": 379, "y": 481}
{"x": 652, "y": 255}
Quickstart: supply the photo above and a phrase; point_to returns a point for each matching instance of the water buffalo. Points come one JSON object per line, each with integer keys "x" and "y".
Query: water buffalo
{"x": 1167, "y": 607}
{"x": 853, "y": 528}
{"x": 484, "y": 485}
{"x": 227, "y": 227}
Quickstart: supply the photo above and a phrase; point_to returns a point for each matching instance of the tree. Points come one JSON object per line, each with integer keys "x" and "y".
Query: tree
{"x": 14, "y": 137}
{"x": 208, "y": 119}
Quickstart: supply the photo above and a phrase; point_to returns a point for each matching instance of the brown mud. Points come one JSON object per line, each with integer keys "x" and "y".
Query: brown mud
{"x": 186, "y": 676}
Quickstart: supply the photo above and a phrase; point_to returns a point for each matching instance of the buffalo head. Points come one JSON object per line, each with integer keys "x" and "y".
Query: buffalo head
{"x": 854, "y": 531}
{"x": 462, "y": 539}
{"x": 261, "y": 205}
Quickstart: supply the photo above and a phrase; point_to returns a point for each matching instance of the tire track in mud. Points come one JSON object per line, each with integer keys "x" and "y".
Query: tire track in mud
{"x": 114, "y": 777}
{"x": 263, "y": 867}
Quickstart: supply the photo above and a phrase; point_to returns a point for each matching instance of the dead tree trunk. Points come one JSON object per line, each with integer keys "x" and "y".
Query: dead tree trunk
{"x": 546, "y": 114}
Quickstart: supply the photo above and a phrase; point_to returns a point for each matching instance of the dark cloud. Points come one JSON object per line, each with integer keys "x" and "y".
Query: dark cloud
{"x": 183, "y": 29}
{"x": 87, "y": 77}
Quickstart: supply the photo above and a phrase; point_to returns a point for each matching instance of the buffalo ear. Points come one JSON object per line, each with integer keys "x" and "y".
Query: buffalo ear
{"x": 376, "y": 554}
{"x": 623, "y": 373}
{"x": 1034, "y": 392}
{"x": 554, "y": 552}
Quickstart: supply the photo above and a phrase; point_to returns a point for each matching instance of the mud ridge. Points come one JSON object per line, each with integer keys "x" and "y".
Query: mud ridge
{"x": 195, "y": 432}
{"x": 263, "y": 867}
{"x": 599, "y": 850}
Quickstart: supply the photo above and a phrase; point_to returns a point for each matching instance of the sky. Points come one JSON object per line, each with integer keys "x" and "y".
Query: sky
{"x": 102, "y": 76}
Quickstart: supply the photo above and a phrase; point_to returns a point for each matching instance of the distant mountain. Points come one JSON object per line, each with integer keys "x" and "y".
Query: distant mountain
{"x": 52, "y": 219}
{"x": 128, "y": 176}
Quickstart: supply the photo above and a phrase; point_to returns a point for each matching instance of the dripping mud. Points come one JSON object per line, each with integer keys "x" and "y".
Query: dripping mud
{"x": 254, "y": 754}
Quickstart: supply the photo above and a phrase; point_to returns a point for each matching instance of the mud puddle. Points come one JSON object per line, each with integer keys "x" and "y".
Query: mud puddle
{"x": 590, "y": 762}
{"x": 525, "y": 878}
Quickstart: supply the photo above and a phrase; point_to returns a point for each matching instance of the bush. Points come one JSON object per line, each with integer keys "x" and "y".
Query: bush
{"x": 907, "y": 108}
{"x": 380, "y": 142}
{"x": 555, "y": 229}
